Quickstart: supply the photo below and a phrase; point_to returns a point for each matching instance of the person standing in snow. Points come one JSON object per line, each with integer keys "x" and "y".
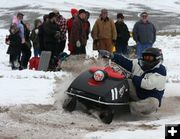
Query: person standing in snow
{"x": 104, "y": 32}
{"x": 87, "y": 25}
{"x": 122, "y": 35}
{"x": 41, "y": 32}
{"x": 51, "y": 36}
{"x": 61, "y": 22}
{"x": 144, "y": 33}
{"x": 74, "y": 13}
{"x": 78, "y": 37}
{"x": 35, "y": 37}
{"x": 24, "y": 33}
{"x": 147, "y": 78}
{"x": 14, "y": 50}
{"x": 26, "y": 47}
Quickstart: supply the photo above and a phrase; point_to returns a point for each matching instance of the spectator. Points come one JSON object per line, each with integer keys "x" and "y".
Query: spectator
{"x": 74, "y": 13}
{"x": 51, "y": 36}
{"x": 41, "y": 33}
{"x": 144, "y": 33}
{"x": 78, "y": 37}
{"x": 87, "y": 25}
{"x": 61, "y": 21}
{"x": 35, "y": 37}
{"x": 14, "y": 42}
{"x": 24, "y": 32}
{"x": 122, "y": 35}
{"x": 104, "y": 32}
{"x": 26, "y": 47}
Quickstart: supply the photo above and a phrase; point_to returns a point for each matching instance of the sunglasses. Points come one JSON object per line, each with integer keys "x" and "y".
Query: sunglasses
{"x": 148, "y": 58}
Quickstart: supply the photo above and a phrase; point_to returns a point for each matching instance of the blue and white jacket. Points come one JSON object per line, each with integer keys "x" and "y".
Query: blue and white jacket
{"x": 148, "y": 83}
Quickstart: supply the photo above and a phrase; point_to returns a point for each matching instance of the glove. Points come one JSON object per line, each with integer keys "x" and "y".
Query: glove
{"x": 23, "y": 40}
{"x": 114, "y": 42}
{"x": 36, "y": 31}
{"x": 106, "y": 54}
{"x": 129, "y": 75}
{"x": 78, "y": 43}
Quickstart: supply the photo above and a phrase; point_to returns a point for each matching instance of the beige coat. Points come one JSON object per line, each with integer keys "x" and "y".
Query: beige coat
{"x": 103, "y": 30}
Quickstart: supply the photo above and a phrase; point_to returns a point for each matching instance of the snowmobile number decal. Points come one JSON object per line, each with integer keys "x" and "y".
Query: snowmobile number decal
{"x": 115, "y": 93}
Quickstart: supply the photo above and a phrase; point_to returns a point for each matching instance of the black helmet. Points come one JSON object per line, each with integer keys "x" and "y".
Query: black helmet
{"x": 150, "y": 58}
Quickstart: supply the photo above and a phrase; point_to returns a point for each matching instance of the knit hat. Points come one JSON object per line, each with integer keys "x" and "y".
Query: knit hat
{"x": 55, "y": 11}
{"x": 81, "y": 11}
{"x": 120, "y": 15}
{"x": 74, "y": 11}
{"x": 51, "y": 15}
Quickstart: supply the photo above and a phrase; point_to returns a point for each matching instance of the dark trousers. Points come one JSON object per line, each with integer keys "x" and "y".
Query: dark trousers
{"x": 121, "y": 47}
{"x": 26, "y": 54}
{"x": 61, "y": 46}
{"x": 37, "y": 52}
{"x": 141, "y": 47}
{"x": 14, "y": 62}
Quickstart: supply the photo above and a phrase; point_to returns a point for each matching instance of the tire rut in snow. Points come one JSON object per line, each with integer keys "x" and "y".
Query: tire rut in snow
{"x": 53, "y": 119}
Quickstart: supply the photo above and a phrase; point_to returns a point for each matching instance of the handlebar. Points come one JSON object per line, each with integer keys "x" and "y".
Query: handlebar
{"x": 117, "y": 67}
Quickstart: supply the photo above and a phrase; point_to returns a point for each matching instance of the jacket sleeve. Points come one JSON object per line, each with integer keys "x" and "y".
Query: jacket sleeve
{"x": 122, "y": 61}
{"x": 32, "y": 35}
{"x": 150, "y": 81}
{"x": 21, "y": 29}
{"x": 114, "y": 32}
{"x": 135, "y": 32}
{"x": 94, "y": 33}
{"x": 154, "y": 33}
{"x": 126, "y": 34}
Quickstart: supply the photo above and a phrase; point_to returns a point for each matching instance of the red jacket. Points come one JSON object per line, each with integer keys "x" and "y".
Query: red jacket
{"x": 69, "y": 27}
{"x": 78, "y": 32}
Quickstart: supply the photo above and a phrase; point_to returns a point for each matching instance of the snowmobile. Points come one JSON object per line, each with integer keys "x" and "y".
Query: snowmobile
{"x": 102, "y": 88}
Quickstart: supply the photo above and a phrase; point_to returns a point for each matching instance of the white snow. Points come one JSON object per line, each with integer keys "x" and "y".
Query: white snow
{"x": 147, "y": 134}
{"x": 15, "y": 91}
{"x": 37, "y": 87}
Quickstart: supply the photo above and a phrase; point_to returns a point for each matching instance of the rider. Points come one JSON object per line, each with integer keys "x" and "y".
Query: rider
{"x": 147, "y": 79}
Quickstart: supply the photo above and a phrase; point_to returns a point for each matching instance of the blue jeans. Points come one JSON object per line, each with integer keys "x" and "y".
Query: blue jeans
{"x": 122, "y": 49}
{"x": 140, "y": 48}
{"x": 37, "y": 52}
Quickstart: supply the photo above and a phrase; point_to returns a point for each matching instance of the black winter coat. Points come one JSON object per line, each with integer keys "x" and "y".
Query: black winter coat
{"x": 15, "y": 44}
{"x": 35, "y": 38}
{"x": 122, "y": 33}
{"x": 50, "y": 32}
{"x": 41, "y": 37}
